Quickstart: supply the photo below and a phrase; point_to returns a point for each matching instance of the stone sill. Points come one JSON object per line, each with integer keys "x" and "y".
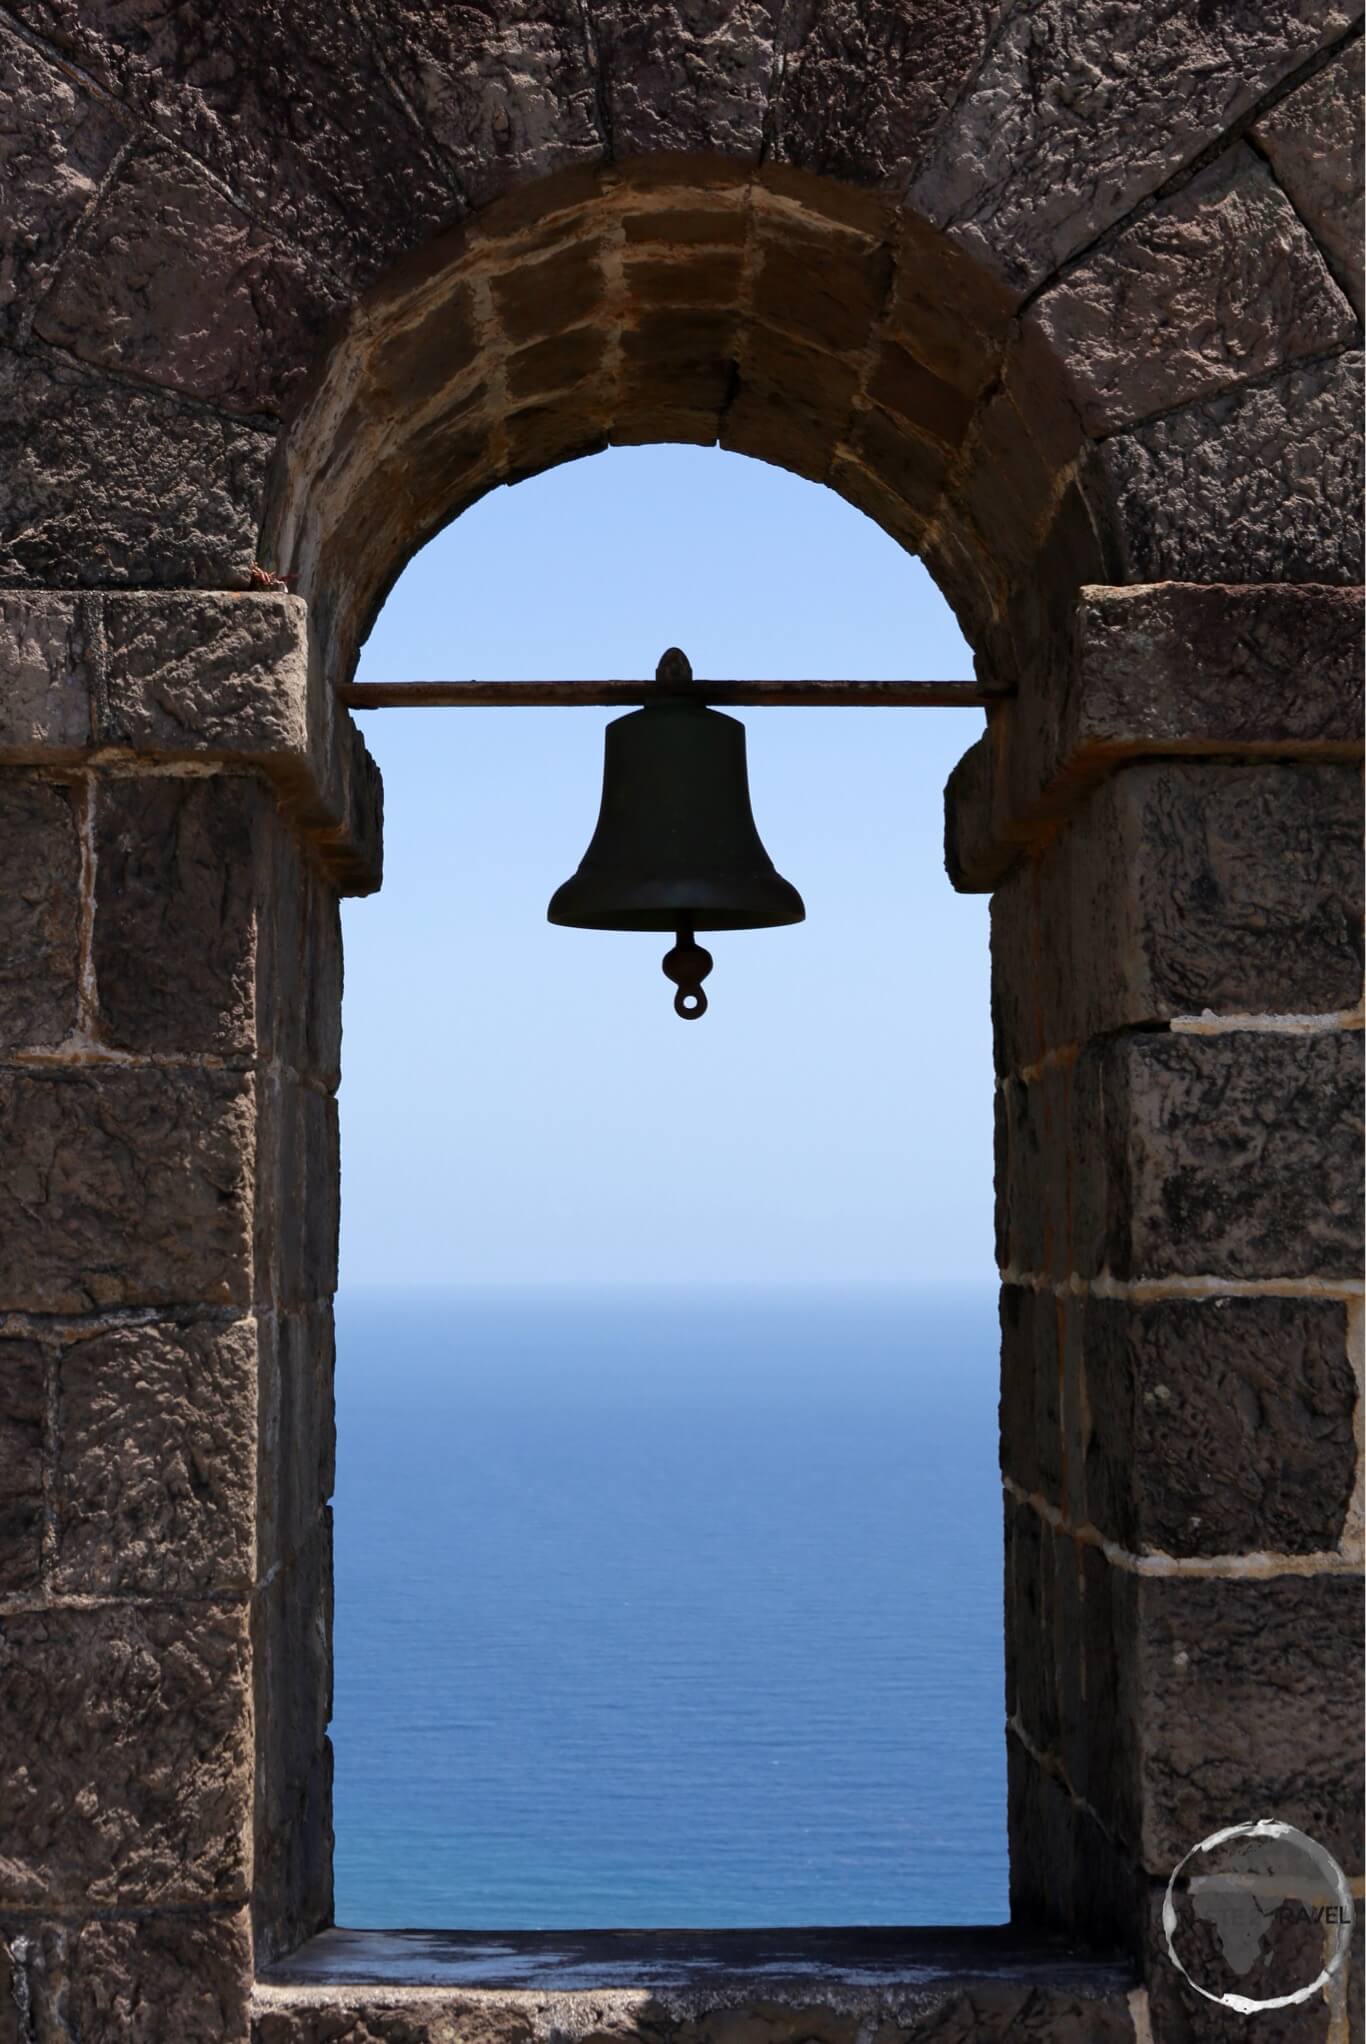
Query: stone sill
{"x": 817, "y": 1986}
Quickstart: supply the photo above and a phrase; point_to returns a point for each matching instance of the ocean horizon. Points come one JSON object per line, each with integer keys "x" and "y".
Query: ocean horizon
{"x": 665, "y": 1606}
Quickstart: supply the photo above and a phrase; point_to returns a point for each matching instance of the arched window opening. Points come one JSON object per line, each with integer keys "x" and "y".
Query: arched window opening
{"x": 668, "y": 1537}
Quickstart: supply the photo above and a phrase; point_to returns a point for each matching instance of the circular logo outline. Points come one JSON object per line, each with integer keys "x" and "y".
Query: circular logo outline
{"x": 1265, "y": 1827}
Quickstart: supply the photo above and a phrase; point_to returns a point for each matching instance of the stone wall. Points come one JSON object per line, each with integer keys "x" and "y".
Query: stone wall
{"x": 1068, "y": 300}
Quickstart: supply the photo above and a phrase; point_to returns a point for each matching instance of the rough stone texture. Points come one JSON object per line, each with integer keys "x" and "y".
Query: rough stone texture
{"x": 978, "y": 2014}
{"x": 1171, "y": 1702}
{"x": 1217, "y": 284}
{"x": 298, "y": 962}
{"x": 1251, "y": 671}
{"x": 1184, "y": 2016}
{"x": 221, "y": 672}
{"x": 1252, "y": 1697}
{"x": 1259, "y": 485}
{"x": 1215, "y": 668}
{"x": 1182, "y": 1426}
{"x": 125, "y": 1188}
{"x": 1218, "y": 1425}
{"x": 1078, "y": 113}
{"x": 156, "y": 1469}
{"x": 865, "y": 86}
{"x": 161, "y": 1980}
{"x": 40, "y": 911}
{"x": 283, "y": 159}
{"x": 297, "y": 1198}
{"x": 172, "y": 1979}
{"x": 1191, "y": 890}
{"x": 292, "y": 111}
{"x": 176, "y": 903}
{"x": 125, "y": 1756}
{"x": 174, "y": 284}
{"x": 23, "y": 1425}
{"x": 1313, "y": 139}
{"x": 57, "y": 144}
{"x": 105, "y": 482}
{"x": 505, "y": 93}
{"x": 292, "y": 1660}
{"x": 686, "y": 78}
{"x": 1170, "y": 1155}
{"x": 296, "y": 1430}
{"x": 45, "y": 709}
{"x": 1064, "y": 1866}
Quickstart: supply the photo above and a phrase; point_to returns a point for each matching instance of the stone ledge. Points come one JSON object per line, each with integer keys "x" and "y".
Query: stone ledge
{"x": 818, "y": 1986}
{"x": 199, "y": 677}
{"x": 1159, "y": 670}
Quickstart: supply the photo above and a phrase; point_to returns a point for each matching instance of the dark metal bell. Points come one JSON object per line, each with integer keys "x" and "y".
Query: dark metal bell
{"x": 676, "y": 847}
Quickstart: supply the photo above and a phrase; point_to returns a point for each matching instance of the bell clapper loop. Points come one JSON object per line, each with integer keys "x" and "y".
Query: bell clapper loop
{"x": 687, "y": 965}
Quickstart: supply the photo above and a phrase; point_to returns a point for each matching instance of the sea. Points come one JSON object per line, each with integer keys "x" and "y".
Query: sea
{"x": 668, "y": 1607}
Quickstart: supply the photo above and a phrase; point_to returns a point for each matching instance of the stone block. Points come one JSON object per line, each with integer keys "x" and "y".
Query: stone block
{"x": 1032, "y": 1660}
{"x": 155, "y": 1485}
{"x": 173, "y": 283}
{"x": 177, "y": 902}
{"x": 664, "y": 88}
{"x": 559, "y": 363}
{"x": 296, "y": 1441}
{"x": 1313, "y": 140}
{"x": 292, "y": 1662}
{"x": 1033, "y": 1377}
{"x": 219, "y": 672}
{"x": 1233, "y": 1155}
{"x": 1178, "y": 2012}
{"x": 1066, "y": 1872}
{"x": 824, "y": 289}
{"x": 126, "y": 1769}
{"x": 45, "y": 707}
{"x": 358, "y": 182}
{"x": 1183, "y": 890}
{"x": 298, "y": 960}
{"x": 105, "y": 482}
{"x": 23, "y": 1429}
{"x": 952, "y": 314}
{"x": 57, "y": 144}
{"x": 682, "y": 359}
{"x": 40, "y": 912}
{"x": 505, "y": 97}
{"x": 1261, "y": 484}
{"x": 864, "y": 86}
{"x": 1075, "y": 115}
{"x": 565, "y": 289}
{"x": 1211, "y": 287}
{"x": 909, "y": 467}
{"x": 125, "y": 1187}
{"x": 1218, "y": 670}
{"x": 1161, "y": 1155}
{"x": 899, "y": 383}
{"x": 1249, "y": 1695}
{"x": 1250, "y": 672}
{"x": 149, "y": 1979}
{"x": 162, "y": 1979}
{"x": 297, "y": 1211}
{"x": 1217, "y": 1426}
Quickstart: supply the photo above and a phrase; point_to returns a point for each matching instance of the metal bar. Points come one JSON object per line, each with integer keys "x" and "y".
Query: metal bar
{"x": 391, "y": 695}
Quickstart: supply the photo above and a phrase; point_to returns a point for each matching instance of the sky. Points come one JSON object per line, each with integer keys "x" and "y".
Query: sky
{"x": 519, "y": 1102}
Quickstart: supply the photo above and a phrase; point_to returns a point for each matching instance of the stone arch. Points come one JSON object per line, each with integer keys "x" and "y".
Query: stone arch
{"x": 1067, "y": 302}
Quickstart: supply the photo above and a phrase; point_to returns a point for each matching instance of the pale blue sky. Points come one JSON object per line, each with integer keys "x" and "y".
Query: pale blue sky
{"x": 519, "y": 1102}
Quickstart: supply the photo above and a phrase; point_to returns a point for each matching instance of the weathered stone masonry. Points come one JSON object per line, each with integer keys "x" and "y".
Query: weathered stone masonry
{"x": 1067, "y": 298}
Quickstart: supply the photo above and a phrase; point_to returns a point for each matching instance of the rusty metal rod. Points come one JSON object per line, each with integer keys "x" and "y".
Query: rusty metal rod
{"x": 387, "y": 695}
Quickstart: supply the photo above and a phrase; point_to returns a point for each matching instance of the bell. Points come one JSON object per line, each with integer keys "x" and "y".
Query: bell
{"x": 676, "y": 846}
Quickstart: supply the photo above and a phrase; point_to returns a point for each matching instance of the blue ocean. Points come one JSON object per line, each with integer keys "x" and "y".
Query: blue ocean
{"x": 668, "y": 1607}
